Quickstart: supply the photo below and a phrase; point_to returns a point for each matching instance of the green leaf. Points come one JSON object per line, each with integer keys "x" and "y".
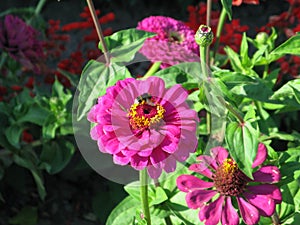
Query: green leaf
{"x": 58, "y": 91}
{"x": 27, "y": 216}
{"x": 291, "y": 46}
{"x": 289, "y": 94}
{"x": 124, "y": 212}
{"x": 160, "y": 196}
{"x": 181, "y": 213}
{"x": 227, "y": 4}
{"x": 187, "y": 74}
{"x": 249, "y": 87}
{"x": 244, "y": 52}
{"x": 27, "y": 159}
{"x": 124, "y": 44}
{"x": 235, "y": 60}
{"x": 13, "y": 134}
{"x": 36, "y": 114}
{"x": 95, "y": 78}
{"x": 242, "y": 140}
{"x": 56, "y": 155}
{"x": 133, "y": 189}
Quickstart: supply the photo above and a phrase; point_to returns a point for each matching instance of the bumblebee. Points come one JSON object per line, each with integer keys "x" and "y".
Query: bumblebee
{"x": 145, "y": 97}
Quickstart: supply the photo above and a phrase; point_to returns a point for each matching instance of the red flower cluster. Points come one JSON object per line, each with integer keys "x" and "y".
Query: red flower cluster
{"x": 55, "y": 44}
{"x": 73, "y": 65}
{"x": 232, "y": 31}
{"x": 57, "y": 40}
{"x": 88, "y": 23}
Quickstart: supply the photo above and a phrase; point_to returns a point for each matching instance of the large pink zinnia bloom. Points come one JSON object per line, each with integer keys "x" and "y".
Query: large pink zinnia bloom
{"x": 173, "y": 44}
{"x": 145, "y": 125}
{"x": 255, "y": 198}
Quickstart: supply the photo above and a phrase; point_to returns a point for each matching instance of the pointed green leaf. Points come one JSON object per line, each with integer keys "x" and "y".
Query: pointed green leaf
{"x": 95, "y": 78}
{"x": 291, "y": 46}
{"x": 227, "y": 5}
{"x": 124, "y": 44}
{"x": 242, "y": 140}
{"x": 124, "y": 212}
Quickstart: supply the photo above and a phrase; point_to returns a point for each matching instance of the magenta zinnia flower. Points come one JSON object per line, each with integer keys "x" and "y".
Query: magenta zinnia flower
{"x": 173, "y": 44}
{"x": 255, "y": 198}
{"x": 145, "y": 125}
{"x": 21, "y": 42}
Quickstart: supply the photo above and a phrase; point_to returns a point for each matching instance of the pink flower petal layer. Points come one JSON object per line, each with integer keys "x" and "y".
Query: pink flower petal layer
{"x": 249, "y": 213}
{"x": 229, "y": 214}
{"x": 187, "y": 183}
{"x": 211, "y": 214}
{"x": 267, "y": 174}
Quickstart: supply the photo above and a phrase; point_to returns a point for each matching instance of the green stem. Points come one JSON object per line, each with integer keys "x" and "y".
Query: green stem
{"x": 154, "y": 67}
{"x": 203, "y": 52}
{"x": 275, "y": 218}
{"x": 221, "y": 23}
{"x": 203, "y": 61}
{"x": 144, "y": 195}
{"x": 232, "y": 110}
{"x": 99, "y": 30}
{"x": 168, "y": 220}
{"x": 39, "y": 7}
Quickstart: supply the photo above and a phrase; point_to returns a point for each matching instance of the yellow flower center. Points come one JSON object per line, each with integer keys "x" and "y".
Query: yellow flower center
{"x": 145, "y": 114}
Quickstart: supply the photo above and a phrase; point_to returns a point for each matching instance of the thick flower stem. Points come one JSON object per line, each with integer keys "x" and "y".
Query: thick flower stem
{"x": 203, "y": 52}
{"x": 154, "y": 67}
{"x": 99, "y": 30}
{"x": 221, "y": 23}
{"x": 144, "y": 195}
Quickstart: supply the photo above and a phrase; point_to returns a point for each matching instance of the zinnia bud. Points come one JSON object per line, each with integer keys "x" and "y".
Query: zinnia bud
{"x": 261, "y": 37}
{"x": 204, "y": 36}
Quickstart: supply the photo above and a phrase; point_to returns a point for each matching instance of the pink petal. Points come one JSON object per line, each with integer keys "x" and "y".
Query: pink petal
{"x": 220, "y": 154}
{"x": 120, "y": 159}
{"x": 138, "y": 162}
{"x": 156, "y": 86}
{"x": 211, "y": 214}
{"x": 187, "y": 183}
{"x": 175, "y": 95}
{"x": 260, "y": 156}
{"x": 208, "y": 161}
{"x": 202, "y": 169}
{"x": 229, "y": 214}
{"x": 170, "y": 164}
{"x": 157, "y": 158}
{"x": 249, "y": 213}
{"x": 267, "y": 174}
{"x": 153, "y": 172}
{"x": 263, "y": 203}
{"x": 197, "y": 198}
{"x": 270, "y": 190}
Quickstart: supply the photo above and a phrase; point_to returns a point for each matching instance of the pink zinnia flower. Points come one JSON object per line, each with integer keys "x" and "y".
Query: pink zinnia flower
{"x": 145, "y": 125}
{"x": 21, "y": 42}
{"x": 173, "y": 44}
{"x": 255, "y": 198}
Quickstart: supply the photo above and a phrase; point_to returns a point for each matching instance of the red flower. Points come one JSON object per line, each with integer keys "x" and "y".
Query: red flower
{"x": 27, "y": 137}
{"x": 16, "y": 88}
